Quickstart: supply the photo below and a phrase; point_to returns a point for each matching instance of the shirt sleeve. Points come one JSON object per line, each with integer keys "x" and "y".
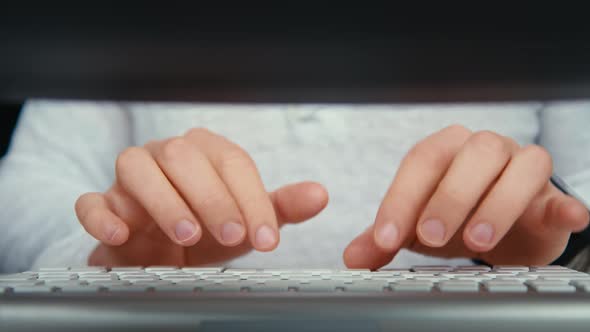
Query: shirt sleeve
{"x": 564, "y": 133}
{"x": 59, "y": 151}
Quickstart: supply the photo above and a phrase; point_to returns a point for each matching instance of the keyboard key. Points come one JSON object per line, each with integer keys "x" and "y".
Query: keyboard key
{"x": 453, "y": 275}
{"x": 128, "y": 288}
{"x": 497, "y": 286}
{"x": 550, "y": 268}
{"x": 271, "y": 286}
{"x": 174, "y": 288}
{"x": 21, "y": 283}
{"x": 389, "y": 279}
{"x": 70, "y": 289}
{"x": 54, "y": 269}
{"x": 432, "y": 268}
{"x": 322, "y": 286}
{"x": 180, "y": 278}
{"x": 551, "y": 286}
{"x": 16, "y": 277}
{"x": 515, "y": 268}
{"x": 367, "y": 287}
{"x": 411, "y": 286}
{"x": 384, "y": 274}
{"x": 199, "y": 270}
{"x": 127, "y": 269}
{"x": 458, "y": 286}
{"x": 160, "y": 268}
{"x": 108, "y": 283}
{"x": 476, "y": 268}
{"x": 32, "y": 289}
{"x": 227, "y": 287}
{"x": 582, "y": 284}
{"x": 498, "y": 274}
{"x": 88, "y": 269}
{"x": 63, "y": 282}
{"x": 474, "y": 278}
{"x": 152, "y": 283}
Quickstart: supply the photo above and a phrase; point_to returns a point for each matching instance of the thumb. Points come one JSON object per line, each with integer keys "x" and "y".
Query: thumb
{"x": 298, "y": 202}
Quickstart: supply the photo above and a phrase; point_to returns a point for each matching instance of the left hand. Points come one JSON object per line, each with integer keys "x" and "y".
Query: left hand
{"x": 476, "y": 195}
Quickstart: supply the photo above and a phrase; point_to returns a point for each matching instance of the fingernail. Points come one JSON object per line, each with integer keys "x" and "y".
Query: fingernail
{"x": 265, "y": 237}
{"x": 232, "y": 232}
{"x": 387, "y": 236}
{"x": 111, "y": 231}
{"x": 433, "y": 231}
{"x": 185, "y": 230}
{"x": 482, "y": 233}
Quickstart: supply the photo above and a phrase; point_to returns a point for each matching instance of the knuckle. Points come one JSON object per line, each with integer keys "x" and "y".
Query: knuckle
{"x": 214, "y": 198}
{"x": 453, "y": 196}
{"x": 424, "y": 153}
{"x": 540, "y": 156}
{"x": 458, "y": 129}
{"x": 490, "y": 142}
{"x": 235, "y": 158}
{"x": 198, "y": 131}
{"x": 128, "y": 158}
{"x": 174, "y": 149}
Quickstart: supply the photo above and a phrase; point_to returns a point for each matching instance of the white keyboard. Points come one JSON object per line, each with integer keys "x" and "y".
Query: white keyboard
{"x": 422, "y": 279}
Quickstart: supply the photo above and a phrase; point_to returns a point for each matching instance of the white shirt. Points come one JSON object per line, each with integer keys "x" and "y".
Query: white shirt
{"x": 62, "y": 149}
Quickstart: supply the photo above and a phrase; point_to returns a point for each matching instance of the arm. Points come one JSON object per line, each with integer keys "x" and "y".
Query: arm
{"x": 564, "y": 132}
{"x": 59, "y": 151}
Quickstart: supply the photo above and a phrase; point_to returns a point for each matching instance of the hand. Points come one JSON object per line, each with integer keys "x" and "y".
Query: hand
{"x": 477, "y": 195}
{"x": 190, "y": 200}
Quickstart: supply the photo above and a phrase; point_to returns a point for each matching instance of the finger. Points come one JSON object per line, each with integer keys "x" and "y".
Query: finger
{"x": 99, "y": 221}
{"x": 363, "y": 253}
{"x": 415, "y": 181}
{"x": 523, "y": 179}
{"x": 293, "y": 203}
{"x": 475, "y": 167}
{"x": 126, "y": 208}
{"x": 238, "y": 171}
{"x": 565, "y": 213}
{"x": 298, "y": 202}
{"x": 139, "y": 175}
{"x": 194, "y": 177}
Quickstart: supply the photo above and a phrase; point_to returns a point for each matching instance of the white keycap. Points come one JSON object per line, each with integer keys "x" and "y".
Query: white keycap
{"x": 516, "y": 268}
{"x": 432, "y": 268}
{"x": 476, "y": 268}
{"x": 506, "y": 286}
{"x": 551, "y": 286}
{"x": 458, "y": 286}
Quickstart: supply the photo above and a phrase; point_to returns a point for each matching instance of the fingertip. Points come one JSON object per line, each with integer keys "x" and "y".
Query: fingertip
{"x": 232, "y": 234}
{"x": 116, "y": 234}
{"x": 299, "y": 202}
{"x": 575, "y": 214}
{"x": 266, "y": 238}
{"x": 351, "y": 257}
{"x": 187, "y": 233}
{"x": 363, "y": 253}
{"x": 318, "y": 194}
{"x": 386, "y": 236}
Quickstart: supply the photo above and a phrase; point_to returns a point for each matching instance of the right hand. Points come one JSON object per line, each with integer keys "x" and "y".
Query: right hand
{"x": 190, "y": 200}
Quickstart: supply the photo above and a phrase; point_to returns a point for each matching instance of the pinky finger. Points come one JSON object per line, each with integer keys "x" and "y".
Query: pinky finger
{"x": 567, "y": 213}
{"x": 99, "y": 221}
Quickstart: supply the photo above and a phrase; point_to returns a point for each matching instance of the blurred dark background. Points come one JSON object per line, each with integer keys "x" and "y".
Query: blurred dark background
{"x": 9, "y": 113}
